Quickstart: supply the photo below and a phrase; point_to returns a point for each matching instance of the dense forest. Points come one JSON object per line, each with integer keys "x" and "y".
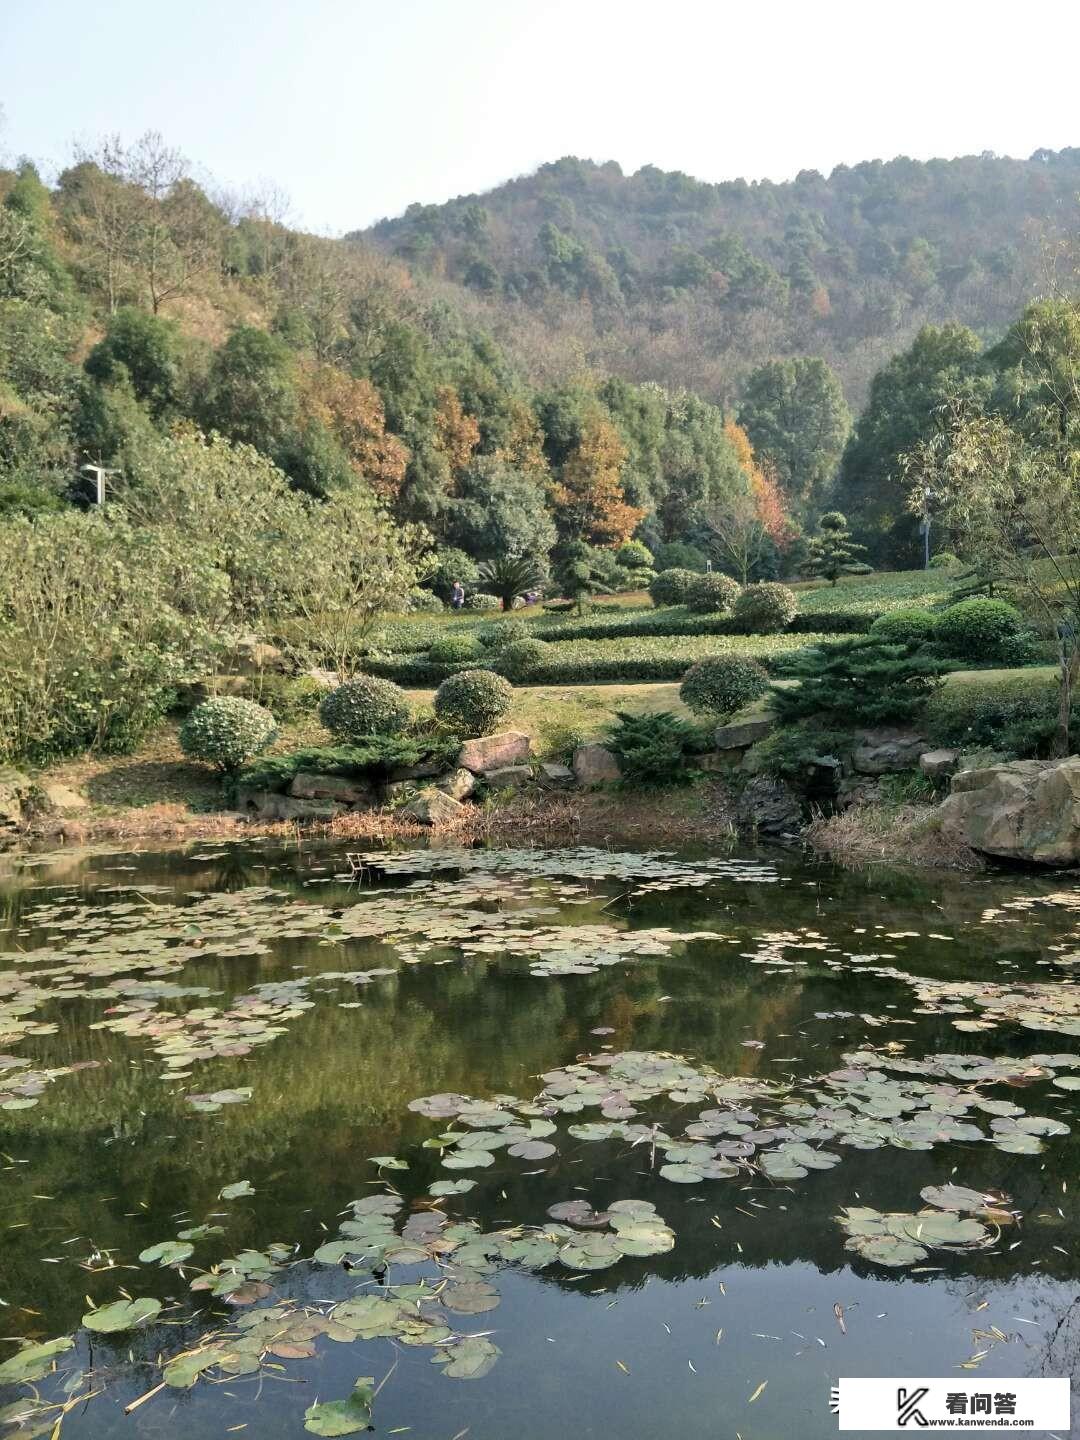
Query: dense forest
{"x": 658, "y": 276}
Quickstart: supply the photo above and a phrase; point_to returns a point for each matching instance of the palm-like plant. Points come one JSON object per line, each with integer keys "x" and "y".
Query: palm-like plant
{"x": 510, "y": 576}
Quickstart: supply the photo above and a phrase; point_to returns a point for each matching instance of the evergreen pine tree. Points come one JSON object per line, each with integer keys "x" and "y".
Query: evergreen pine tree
{"x": 832, "y": 551}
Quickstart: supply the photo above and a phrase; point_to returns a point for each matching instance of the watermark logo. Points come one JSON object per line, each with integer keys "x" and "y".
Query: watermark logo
{"x": 1039, "y": 1406}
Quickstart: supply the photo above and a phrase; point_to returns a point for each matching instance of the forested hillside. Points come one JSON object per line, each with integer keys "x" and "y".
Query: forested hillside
{"x": 657, "y": 276}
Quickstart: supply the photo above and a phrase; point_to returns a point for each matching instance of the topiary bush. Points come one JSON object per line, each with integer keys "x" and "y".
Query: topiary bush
{"x": 453, "y": 649}
{"x": 520, "y": 660}
{"x": 764, "y": 609}
{"x": 473, "y": 701}
{"x": 723, "y": 684}
{"x": 423, "y": 602}
{"x": 977, "y": 629}
{"x": 483, "y": 601}
{"x": 227, "y": 731}
{"x": 494, "y": 637}
{"x": 654, "y": 749}
{"x": 905, "y": 627}
{"x": 673, "y": 587}
{"x": 634, "y": 555}
{"x": 712, "y": 594}
{"x": 364, "y": 706}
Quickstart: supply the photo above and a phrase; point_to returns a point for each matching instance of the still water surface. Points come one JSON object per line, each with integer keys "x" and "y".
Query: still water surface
{"x": 490, "y": 974}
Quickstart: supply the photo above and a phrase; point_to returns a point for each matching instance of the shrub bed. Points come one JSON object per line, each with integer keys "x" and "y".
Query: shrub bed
{"x": 1012, "y": 714}
{"x": 373, "y": 760}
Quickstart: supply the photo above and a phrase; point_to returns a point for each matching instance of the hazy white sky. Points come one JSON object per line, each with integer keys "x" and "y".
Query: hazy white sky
{"x": 357, "y": 108}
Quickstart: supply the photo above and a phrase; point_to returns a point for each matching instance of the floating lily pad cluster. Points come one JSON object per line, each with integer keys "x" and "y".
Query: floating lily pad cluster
{"x": 896, "y": 1239}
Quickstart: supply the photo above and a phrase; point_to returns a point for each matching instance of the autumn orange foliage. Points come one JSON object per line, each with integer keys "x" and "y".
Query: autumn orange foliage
{"x": 456, "y": 434}
{"x": 353, "y": 411}
{"x": 770, "y": 503}
{"x": 589, "y": 496}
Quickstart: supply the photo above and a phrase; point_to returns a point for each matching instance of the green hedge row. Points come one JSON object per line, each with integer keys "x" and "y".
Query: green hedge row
{"x": 585, "y": 662}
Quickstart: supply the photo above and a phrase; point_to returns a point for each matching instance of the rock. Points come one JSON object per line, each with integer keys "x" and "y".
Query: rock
{"x": 395, "y": 789}
{"x": 715, "y": 761}
{"x": 270, "y": 805}
{"x": 595, "y": 764}
{"x": 308, "y": 785}
{"x": 882, "y": 752}
{"x": 417, "y": 772}
{"x": 251, "y": 653}
{"x": 938, "y": 763}
{"x": 552, "y": 773}
{"x": 61, "y": 797}
{"x": 459, "y": 784}
{"x": 491, "y": 752}
{"x": 432, "y": 807}
{"x": 15, "y": 801}
{"x": 1028, "y": 810}
{"x": 856, "y": 790}
{"x": 769, "y": 806}
{"x": 741, "y": 734}
{"x": 503, "y": 776}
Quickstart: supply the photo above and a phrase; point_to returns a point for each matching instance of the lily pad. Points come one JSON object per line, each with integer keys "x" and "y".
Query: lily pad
{"x": 343, "y": 1417}
{"x": 121, "y": 1315}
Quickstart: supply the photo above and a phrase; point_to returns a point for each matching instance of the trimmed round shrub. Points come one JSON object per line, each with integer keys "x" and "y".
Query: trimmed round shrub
{"x": 494, "y": 637}
{"x": 673, "y": 587}
{"x": 721, "y": 685}
{"x": 424, "y": 602}
{"x": 521, "y": 659}
{"x": 364, "y": 706}
{"x": 483, "y": 601}
{"x": 905, "y": 627}
{"x": 633, "y": 555}
{"x": 712, "y": 594}
{"x": 453, "y": 649}
{"x": 763, "y": 609}
{"x": 473, "y": 702}
{"x": 978, "y": 628}
{"x": 1024, "y": 648}
{"x": 227, "y": 731}
{"x": 944, "y": 560}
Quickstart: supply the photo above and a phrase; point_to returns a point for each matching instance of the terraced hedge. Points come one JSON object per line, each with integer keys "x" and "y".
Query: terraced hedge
{"x": 587, "y": 662}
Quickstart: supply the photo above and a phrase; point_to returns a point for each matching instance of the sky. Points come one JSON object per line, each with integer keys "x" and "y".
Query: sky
{"x": 357, "y": 109}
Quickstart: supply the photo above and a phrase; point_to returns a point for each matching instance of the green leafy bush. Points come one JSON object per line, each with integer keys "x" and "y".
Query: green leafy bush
{"x": 944, "y": 560}
{"x": 723, "y": 684}
{"x": 424, "y": 602}
{"x": 227, "y": 731}
{"x": 452, "y": 648}
{"x": 764, "y": 609}
{"x": 376, "y": 758}
{"x": 1011, "y": 714}
{"x": 676, "y": 555}
{"x": 713, "y": 594}
{"x": 654, "y": 749}
{"x": 978, "y": 628}
{"x": 790, "y": 751}
{"x": 495, "y": 636}
{"x": 673, "y": 587}
{"x": 905, "y": 627}
{"x": 287, "y": 697}
{"x": 481, "y": 600}
{"x": 859, "y": 682}
{"x": 633, "y": 555}
{"x": 364, "y": 706}
{"x": 1026, "y": 648}
{"x": 473, "y": 701}
{"x": 521, "y": 659}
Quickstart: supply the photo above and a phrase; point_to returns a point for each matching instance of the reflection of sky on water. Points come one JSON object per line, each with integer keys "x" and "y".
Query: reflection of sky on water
{"x": 122, "y": 1160}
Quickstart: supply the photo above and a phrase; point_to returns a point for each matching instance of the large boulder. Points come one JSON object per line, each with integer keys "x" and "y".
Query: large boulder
{"x": 770, "y": 807}
{"x": 459, "y": 784}
{"x": 270, "y": 805}
{"x": 595, "y": 764}
{"x": 938, "y": 764}
{"x": 1028, "y": 810}
{"x": 16, "y": 802}
{"x": 554, "y": 774}
{"x": 433, "y": 807}
{"x": 492, "y": 752}
{"x": 741, "y": 734}
{"x": 309, "y": 785}
{"x": 506, "y": 776}
{"x": 885, "y": 752}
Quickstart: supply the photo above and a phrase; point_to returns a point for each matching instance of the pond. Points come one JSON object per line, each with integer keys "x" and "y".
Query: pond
{"x": 568, "y": 1142}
